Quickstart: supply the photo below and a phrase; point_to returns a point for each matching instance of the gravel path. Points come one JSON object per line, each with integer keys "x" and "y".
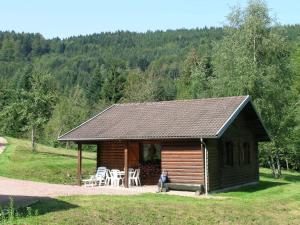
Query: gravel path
{"x": 3, "y": 142}
{"x": 22, "y": 190}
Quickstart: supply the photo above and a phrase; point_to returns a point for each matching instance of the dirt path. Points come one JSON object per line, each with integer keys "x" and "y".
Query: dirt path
{"x": 24, "y": 192}
{"x": 3, "y": 142}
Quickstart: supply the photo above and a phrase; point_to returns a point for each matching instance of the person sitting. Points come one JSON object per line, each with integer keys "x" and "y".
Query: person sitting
{"x": 162, "y": 181}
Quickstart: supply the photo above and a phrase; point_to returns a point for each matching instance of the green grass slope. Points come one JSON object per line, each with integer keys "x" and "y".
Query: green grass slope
{"x": 271, "y": 202}
{"x": 53, "y": 165}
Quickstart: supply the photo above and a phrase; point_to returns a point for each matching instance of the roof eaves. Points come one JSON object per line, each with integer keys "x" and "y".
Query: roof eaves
{"x": 138, "y": 138}
{"x": 60, "y": 138}
{"x": 260, "y": 120}
{"x": 233, "y": 116}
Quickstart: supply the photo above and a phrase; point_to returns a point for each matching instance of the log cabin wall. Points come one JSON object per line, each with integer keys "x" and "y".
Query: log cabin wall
{"x": 183, "y": 161}
{"x": 222, "y": 175}
{"x": 213, "y": 164}
{"x": 112, "y": 154}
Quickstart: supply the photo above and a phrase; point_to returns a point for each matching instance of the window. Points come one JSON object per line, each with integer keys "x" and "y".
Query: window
{"x": 246, "y": 150}
{"x": 151, "y": 153}
{"x": 228, "y": 154}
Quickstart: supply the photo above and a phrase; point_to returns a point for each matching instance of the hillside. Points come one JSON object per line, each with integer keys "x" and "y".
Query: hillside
{"x": 49, "y": 86}
{"x": 52, "y": 165}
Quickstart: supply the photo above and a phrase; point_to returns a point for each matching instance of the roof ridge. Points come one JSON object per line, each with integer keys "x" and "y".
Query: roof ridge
{"x": 179, "y": 100}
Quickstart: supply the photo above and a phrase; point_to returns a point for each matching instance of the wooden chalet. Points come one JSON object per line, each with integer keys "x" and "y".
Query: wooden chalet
{"x": 211, "y": 142}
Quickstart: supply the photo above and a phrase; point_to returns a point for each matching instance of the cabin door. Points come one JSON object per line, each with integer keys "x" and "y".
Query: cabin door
{"x": 133, "y": 155}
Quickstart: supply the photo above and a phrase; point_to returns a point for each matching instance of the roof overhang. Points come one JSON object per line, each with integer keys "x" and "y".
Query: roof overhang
{"x": 237, "y": 112}
{"x": 246, "y": 102}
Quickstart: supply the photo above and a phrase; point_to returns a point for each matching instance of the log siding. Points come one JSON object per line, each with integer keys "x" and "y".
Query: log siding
{"x": 112, "y": 155}
{"x": 184, "y": 162}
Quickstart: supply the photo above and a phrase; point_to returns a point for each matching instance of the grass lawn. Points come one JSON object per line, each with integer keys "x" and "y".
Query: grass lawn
{"x": 53, "y": 165}
{"x": 270, "y": 202}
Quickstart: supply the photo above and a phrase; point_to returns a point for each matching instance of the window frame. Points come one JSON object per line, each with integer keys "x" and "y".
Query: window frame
{"x": 142, "y": 161}
{"x": 228, "y": 154}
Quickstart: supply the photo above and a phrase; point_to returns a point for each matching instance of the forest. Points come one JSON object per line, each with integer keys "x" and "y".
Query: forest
{"x": 48, "y": 86}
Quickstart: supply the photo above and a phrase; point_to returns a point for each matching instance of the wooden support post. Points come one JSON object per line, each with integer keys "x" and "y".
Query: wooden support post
{"x": 126, "y": 165}
{"x": 79, "y": 161}
{"x": 98, "y": 155}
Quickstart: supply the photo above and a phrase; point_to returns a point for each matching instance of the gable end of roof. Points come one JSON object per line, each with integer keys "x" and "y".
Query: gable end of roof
{"x": 229, "y": 121}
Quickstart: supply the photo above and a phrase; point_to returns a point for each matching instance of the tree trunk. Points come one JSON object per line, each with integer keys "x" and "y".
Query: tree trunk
{"x": 278, "y": 166}
{"x": 287, "y": 163}
{"x": 254, "y": 49}
{"x": 33, "y": 147}
{"x": 272, "y": 166}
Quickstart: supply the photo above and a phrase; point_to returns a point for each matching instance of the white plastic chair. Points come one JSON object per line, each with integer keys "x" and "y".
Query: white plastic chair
{"x": 98, "y": 178}
{"x": 137, "y": 177}
{"x": 131, "y": 176}
{"x": 91, "y": 182}
{"x": 100, "y": 175}
{"x": 116, "y": 177}
{"x": 108, "y": 177}
{"x": 134, "y": 177}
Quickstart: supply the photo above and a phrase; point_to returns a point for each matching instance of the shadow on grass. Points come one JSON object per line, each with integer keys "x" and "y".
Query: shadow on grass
{"x": 286, "y": 177}
{"x": 262, "y": 185}
{"x": 42, "y": 205}
{"x": 47, "y": 205}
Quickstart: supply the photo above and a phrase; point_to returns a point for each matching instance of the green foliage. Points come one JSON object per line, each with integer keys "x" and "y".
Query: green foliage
{"x": 38, "y": 101}
{"x": 113, "y": 86}
{"x": 12, "y": 214}
{"x": 138, "y": 87}
{"x": 254, "y": 58}
{"x": 68, "y": 113}
{"x": 250, "y": 55}
{"x": 195, "y": 80}
{"x": 31, "y": 107}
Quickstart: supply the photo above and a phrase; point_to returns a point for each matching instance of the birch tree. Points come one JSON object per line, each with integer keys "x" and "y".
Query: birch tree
{"x": 254, "y": 58}
{"x": 37, "y": 104}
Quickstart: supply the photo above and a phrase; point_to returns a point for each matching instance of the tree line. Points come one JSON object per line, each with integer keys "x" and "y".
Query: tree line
{"x": 48, "y": 86}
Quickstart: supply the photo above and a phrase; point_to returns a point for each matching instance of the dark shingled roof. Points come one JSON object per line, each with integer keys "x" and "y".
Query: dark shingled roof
{"x": 206, "y": 118}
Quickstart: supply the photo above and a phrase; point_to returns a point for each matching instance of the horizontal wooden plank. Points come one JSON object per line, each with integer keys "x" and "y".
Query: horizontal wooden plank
{"x": 111, "y": 154}
{"x": 184, "y": 170}
{"x": 180, "y": 164}
{"x": 112, "y": 162}
{"x": 181, "y": 151}
{"x": 183, "y": 187}
{"x": 183, "y": 160}
{"x": 187, "y": 181}
{"x": 182, "y": 157}
{"x": 191, "y": 167}
{"x": 187, "y": 175}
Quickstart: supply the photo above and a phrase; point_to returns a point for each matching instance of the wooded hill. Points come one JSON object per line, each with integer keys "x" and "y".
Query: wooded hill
{"x": 49, "y": 86}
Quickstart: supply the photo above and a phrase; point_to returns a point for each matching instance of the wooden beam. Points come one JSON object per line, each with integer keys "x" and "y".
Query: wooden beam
{"x": 79, "y": 163}
{"x": 126, "y": 165}
{"x": 98, "y": 155}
